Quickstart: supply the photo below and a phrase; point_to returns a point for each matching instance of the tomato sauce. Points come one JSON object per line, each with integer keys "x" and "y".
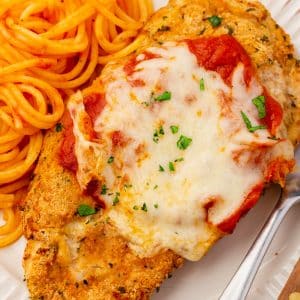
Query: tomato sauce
{"x": 277, "y": 170}
{"x": 251, "y": 199}
{"x": 66, "y": 154}
{"x": 129, "y": 68}
{"x": 118, "y": 139}
{"x": 94, "y": 105}
{"x": 222, "y": 54}
{"x": 274, "y": 113}
{"x": 93, "y": 190}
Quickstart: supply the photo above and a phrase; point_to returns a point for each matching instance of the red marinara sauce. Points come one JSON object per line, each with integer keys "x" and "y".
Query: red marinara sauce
{"x": 94, "y": 105}
{"x": 251, "y": 199}
{"x": 222, "y": 54}
{"x": 66, "y": 153}
{"x": 130, "y": 66}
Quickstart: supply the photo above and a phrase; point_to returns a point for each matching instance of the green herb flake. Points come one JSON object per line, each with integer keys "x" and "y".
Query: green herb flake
{"x": 215, "y": 21}
{"x": 183, "y": 142}
{"x": 158, "y": 132}
{"x": 274, "y": 138}
{"x": 171, "y": 167}
{"x": 155, "y": 205}
{"x": 155, "y": 187}
{"x": 260, "y": 103}
{"x": 155, "y": 136}
{"x": 161, "y": 130}
{"x": 179, "y": 159}
{"x": 174, "y": 129}
{"x": 135, "y": 207}
{"x": 202, "y": 84}
{"x": 144, "y": 207}
{"x": 104, "y": 189}
{"x": 249, "y": 125}
{"x": 85, "y": 210}
{"x": 58, "y": 127}
{"x": 161, "y": 168}
{"x": 110, "y": 160}
{"x": 116, "y": 199}
{"x": 165, "y": 96}
{"x": 246, "y": 120}
{"x": 258, "y": 127}
{"x": 165, "y": 17}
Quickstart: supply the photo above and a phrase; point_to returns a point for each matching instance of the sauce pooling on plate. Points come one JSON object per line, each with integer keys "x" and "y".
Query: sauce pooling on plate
{"x": 180, "y": 144}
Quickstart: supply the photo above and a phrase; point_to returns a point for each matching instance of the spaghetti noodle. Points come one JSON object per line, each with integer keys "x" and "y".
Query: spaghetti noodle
{"x": 48, "y": 49}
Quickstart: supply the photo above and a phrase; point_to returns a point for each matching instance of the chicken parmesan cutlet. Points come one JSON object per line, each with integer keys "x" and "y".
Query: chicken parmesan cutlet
{"x": 163, "y": 154}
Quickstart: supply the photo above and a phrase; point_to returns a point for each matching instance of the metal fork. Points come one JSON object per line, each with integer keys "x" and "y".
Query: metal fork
{"x": 239, "y": 286}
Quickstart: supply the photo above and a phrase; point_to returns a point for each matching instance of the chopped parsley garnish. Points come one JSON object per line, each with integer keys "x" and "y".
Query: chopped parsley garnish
{"x": 171, "y": 167}
{"x": 174, "y": 129}
{"x": 144, "y": 207}
{"x": 249, "y": 125}
{"x": 110, "y": 160}
{"x": 183, "y": 142}
{"x": 202, "y": 85}
{"x": 104, "y": 189}
{"x": 155, "y": 187}
{"x": 135, "y": 207}
{"x": 215, "y": 21}
{"x": 156, "y": 205}
{"x": 165, "y": 96}
{"x": 85, "y": 210}
{"x": 161, "y": 168}
{"x": 155, "y": 137}
{"x": 179, "y": 159}
{"x": 274, "y": 138}
{"x": 260, "y": 103}
{"x": 58, "y": 127}
{"x": 116, "y": 200}
{"x": 158, "y": 132}
{"x": 161, "y": 130}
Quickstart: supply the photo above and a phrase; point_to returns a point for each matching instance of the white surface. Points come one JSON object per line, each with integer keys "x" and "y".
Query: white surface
{"x": 206, "y": 279}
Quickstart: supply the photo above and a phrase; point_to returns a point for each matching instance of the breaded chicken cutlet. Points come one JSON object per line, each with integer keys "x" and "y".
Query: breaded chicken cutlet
{"x": 73, "y": 257}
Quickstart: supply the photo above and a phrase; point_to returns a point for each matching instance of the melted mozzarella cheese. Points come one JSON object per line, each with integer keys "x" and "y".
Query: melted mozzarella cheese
{"x": 157, "y": 209}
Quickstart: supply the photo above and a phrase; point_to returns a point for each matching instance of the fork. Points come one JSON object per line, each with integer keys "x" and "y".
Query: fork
{"x": 239, "y": 285}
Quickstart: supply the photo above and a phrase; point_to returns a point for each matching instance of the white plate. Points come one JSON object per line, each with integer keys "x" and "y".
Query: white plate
{"x": 206, "y": 279}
